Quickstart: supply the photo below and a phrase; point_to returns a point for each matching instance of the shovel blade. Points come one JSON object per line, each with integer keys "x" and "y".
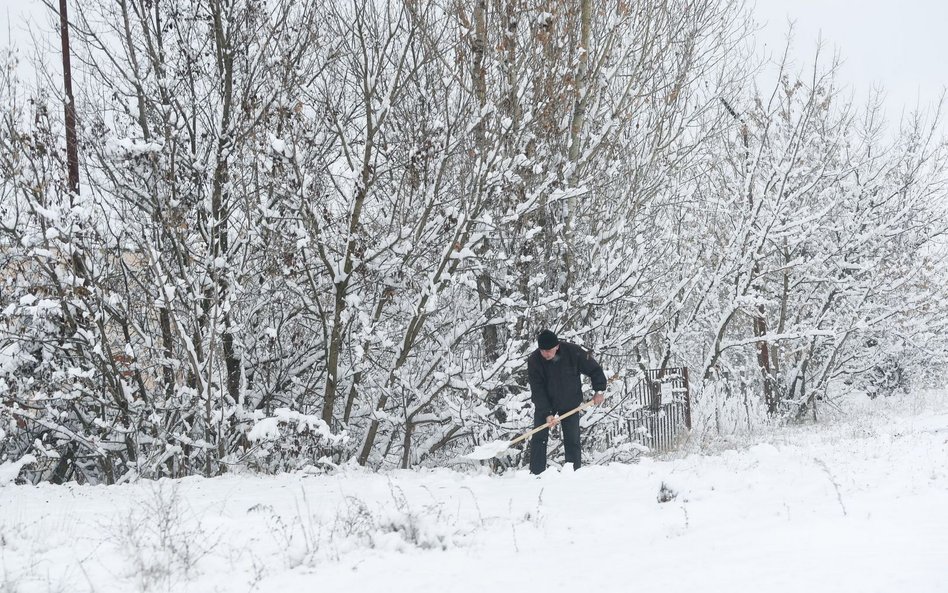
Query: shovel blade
{"x": 488, "y": 450}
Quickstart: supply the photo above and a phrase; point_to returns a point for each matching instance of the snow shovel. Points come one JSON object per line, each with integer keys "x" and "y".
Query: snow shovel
{"x": 495, "y": 448}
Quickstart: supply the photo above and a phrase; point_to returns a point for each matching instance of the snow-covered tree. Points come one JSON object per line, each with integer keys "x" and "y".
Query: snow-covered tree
{"x": 320, "y": 232}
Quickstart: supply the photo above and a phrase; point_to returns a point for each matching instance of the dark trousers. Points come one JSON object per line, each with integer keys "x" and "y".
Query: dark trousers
{"x": 571, "y": 444}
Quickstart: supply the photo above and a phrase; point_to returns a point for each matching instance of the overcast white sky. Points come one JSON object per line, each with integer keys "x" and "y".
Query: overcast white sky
{"x": 13, "y": 16}
{"x": 901, "y": 45}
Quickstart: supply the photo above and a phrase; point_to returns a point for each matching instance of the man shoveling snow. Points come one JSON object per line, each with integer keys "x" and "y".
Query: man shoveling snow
{"x": 554, "y": 370}
{"x": 556, "y": 387}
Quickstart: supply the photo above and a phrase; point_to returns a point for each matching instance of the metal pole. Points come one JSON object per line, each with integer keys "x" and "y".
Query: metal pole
{"x": 72, "y": 143}
{"x": 684, "y": 372}
{"x": 72, "y": 148}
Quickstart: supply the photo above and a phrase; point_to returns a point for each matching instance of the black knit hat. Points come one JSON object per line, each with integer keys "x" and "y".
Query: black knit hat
{"x": 547, "y": 339}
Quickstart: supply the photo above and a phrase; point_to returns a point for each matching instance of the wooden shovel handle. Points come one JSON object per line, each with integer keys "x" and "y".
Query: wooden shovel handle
{"x": 578, "y": 408}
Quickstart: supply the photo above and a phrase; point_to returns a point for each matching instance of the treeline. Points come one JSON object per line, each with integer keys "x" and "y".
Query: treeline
{"x": 322, "y": 232}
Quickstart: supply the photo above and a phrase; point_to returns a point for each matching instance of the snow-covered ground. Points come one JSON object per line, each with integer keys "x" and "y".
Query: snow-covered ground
{"x": 856, "y": 505}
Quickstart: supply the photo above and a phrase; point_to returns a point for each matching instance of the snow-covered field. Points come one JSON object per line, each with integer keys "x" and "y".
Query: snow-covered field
{"x": 856, "y": 505}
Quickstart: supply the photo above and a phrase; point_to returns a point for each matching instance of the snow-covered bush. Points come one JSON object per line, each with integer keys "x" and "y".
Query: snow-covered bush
{"x": 289, "y": 440}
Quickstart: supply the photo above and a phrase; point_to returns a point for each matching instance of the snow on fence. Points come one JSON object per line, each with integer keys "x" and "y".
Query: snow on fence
{"x": 654, "y": 414}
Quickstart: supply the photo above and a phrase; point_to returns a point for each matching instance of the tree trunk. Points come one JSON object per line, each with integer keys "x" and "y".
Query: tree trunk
{"x": 577, "y": 122}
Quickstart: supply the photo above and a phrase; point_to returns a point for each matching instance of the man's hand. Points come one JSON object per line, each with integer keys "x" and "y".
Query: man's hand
{"x": 552, "y": 420}
{"x": 599, "y": 397}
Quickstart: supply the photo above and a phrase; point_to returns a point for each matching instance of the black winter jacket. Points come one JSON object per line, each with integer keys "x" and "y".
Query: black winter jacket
{"x": 555, "y": 385}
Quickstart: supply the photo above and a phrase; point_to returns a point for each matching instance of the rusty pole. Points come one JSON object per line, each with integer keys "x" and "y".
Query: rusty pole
{"x": 72, "y": 148}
